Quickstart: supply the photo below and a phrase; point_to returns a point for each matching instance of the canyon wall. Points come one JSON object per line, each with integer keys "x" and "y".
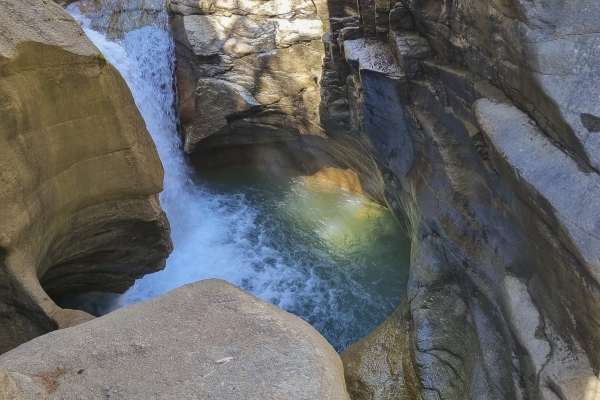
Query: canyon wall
{"x": 79, "y": 174}
{"x": 249, "y": 86}
{"x": 477, "y": 123}
{"x": 482, "y": 119}
{"x": 248, "y": 71}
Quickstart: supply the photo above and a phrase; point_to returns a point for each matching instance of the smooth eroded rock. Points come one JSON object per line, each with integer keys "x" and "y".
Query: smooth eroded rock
{"x": 206, "y": 340}
{"x": 79, "y": 174}
{"x": 482, "y": 123}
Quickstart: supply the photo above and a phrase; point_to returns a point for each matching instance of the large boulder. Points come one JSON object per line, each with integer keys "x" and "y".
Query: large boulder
{"x": 206, "y": 340}
{"x": 79, "y": 174}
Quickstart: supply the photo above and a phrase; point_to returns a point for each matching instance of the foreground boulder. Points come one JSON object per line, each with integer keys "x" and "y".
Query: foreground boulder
{"x": 206, "y": 340}
{"x": 79, "y": 174}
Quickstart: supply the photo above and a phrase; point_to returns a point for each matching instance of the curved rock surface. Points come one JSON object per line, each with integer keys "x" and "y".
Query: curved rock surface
{"x": 542, "y": 54}
{"x": 79, "y": 174}
{"x": 206, "y": 340}
{"x": 476, "y": 122}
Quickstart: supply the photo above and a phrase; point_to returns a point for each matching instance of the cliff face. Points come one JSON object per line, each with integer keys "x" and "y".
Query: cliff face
{"x": 79, "y": 174}
{"x": 478, "y": 123}
{"x": 482, "y": 117}
{"x": 541, "y": 54}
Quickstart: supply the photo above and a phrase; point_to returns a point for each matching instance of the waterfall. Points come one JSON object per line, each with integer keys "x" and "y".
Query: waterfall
{"x": 306, "y": 252}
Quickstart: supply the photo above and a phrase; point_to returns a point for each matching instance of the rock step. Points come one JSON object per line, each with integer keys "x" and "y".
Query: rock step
{"x": 546, "y": 178}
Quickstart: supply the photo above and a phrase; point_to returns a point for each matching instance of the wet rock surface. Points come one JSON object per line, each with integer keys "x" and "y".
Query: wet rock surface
{"x": 79, "y": 174}
{"x": 483, "y": 158}
{"x": 206, "y": 340}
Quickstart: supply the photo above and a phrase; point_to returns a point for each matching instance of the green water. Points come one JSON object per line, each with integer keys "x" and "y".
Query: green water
{"x": 335, "y": 259}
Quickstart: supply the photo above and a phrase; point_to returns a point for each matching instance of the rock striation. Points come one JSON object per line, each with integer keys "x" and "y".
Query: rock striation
{"x": 79, "y": 174}
{"x": 208, "y": 340}
{"x": 480, "y": 129}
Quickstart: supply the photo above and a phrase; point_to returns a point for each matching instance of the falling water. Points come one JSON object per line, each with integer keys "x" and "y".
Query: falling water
{"x": 336, "y": 260}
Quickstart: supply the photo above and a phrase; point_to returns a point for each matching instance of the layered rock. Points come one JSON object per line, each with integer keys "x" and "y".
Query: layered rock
{"x": 541, "y": 54}
{"x": 482, "y": 149}
{"x": 477, "y": 123}
{"x": 80, "y": 175}
{"x": 204, "y": 340}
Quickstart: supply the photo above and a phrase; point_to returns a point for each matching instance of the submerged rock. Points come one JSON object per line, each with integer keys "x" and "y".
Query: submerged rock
{"x": 207, "y": 340}
{"x": 79, "y": 174}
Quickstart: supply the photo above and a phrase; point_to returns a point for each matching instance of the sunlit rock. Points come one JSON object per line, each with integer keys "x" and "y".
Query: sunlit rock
{"x": 330, "y": 178}
{"x": 272, "y": 49}
{"x": 116, "y": 17}
{"x": 204, "y": 340}
{"x": 79, "y": 174}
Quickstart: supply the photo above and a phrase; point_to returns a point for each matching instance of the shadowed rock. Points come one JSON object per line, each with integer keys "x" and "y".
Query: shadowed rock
{"x": 253, "y": 66}
{"x": 481, "y": 124}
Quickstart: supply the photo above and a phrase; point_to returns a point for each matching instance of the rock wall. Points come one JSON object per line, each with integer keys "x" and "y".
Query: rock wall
{"x": 480, "y": 116}
{"x": 209, "y": 340}
{"x": 248, "y": 71}
{"x": 79, "y": 174}
{"x": 477, "y": 123}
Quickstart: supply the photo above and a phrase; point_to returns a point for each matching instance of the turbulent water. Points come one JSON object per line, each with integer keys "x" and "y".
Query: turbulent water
{"x": 334, "y": 259}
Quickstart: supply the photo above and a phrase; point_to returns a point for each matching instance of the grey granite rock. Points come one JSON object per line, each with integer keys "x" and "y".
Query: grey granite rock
{"x": 271, "y": 49}
{"x": 206, "y": 340}
{"x": 503, "y": 292}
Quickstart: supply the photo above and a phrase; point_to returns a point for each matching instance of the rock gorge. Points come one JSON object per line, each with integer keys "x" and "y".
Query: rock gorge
{"x": 475, "y": 122}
